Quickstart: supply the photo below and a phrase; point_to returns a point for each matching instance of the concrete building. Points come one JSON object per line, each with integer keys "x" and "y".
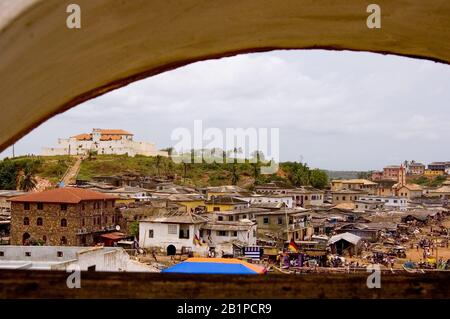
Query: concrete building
{"x": 354, "y": 184}
{"x": 415, "y": 168}
{"x": 62, "y": 216}
{"x": 433, "y": 173}
{"x": 217, "y": 232}
{"x": 346, "y": 196}
{"x": 174, "y": 233}
{"x": 284, "y": 224}
{"x": 391, "y": 172}
{"x": 222, "y": 203}
{"x": 103, "y": 141}
{"x": 304, "y": 196}
{"x": 69, "y": 258}
{"x": 389, "y": 202}
{"x": 438, "y": 166}
{"x": 365, "y": 205}
{"x": 262, "y": 199}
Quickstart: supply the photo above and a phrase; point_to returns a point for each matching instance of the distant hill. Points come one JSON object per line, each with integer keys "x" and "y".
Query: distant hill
{"x": 344, "y": 174}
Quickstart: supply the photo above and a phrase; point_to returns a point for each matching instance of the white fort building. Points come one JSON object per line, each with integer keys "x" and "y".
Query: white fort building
{"x": 109, "y": 141}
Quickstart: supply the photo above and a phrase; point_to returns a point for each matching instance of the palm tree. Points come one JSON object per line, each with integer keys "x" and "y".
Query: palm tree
{"x": 27, "y": 181}
{"x": 158, "y": 163}
{"x": 234, "y": 175}
{"x": 255, "y": 167}
{"x": 185, "y": 170}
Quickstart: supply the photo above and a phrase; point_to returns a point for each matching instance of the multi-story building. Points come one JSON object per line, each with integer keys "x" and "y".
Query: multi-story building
{"x": 376, "y": 176}
{"x": 172, "y": 233}
{"x": 304, "y": 196}
{"x": 269, "y": 198}
{"x": 347, "y": 196}
{"x": 433, "y": 173}
{"x": 354, "y": 184}
{"x": 222, "y": 203}
{"x": 415, "y": 168}
{"x": 62, "y": 216}
{"x": 391, "y": 172}
{"x": 284, "y": 224}
{"x": 438, "y": 166}
{"x": 103, "y": 141}
{"x": 390, "y": 202}
{"x": 365, "y": 205}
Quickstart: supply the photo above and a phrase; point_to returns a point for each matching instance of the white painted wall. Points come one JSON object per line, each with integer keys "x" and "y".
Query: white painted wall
{"x": 247, "y": 237}
{"x": 269, "y": 199}
{"x": 162, "y": 238}
{"x": 118, "y": 147}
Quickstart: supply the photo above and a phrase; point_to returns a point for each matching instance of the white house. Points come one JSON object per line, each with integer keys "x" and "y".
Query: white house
{"x": 103, "y": 141}
{"x": 390, "y": 202}
{"x": 221, "y": 235}
{"x": 173, "y": 233}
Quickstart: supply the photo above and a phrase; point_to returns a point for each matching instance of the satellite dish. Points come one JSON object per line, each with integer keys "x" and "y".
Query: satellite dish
{"x": 117, "y": 227}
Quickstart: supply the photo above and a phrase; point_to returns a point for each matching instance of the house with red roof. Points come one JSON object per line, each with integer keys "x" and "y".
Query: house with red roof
{"x": 62, "y": 216}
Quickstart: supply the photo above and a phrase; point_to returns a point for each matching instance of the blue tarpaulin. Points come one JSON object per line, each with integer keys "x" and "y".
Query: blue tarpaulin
{"x": 215, "y": 266}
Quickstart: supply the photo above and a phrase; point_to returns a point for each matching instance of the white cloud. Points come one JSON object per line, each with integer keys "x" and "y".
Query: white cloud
{"x": 339, "y": 110}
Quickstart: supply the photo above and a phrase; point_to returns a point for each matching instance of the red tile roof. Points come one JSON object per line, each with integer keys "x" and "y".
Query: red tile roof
{"x": 67, "y": 195}
{"x": 110, "y": 137}
{"x": 114, "y": 132}
{"x": 83, "y": 137}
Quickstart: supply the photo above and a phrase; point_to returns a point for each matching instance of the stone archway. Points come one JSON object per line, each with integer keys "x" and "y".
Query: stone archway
{"x": 47, "y": 68}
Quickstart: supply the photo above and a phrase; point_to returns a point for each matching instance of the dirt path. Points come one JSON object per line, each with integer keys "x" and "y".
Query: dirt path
{"x": 72, "y": 172}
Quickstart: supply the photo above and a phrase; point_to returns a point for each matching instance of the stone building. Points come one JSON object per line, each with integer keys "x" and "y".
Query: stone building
{"x": 62, "y": 216}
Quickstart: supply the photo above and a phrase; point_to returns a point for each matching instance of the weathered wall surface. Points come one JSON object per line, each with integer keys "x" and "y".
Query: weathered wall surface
{"x": 45, "y": 284}
{"x": 46, "y": 68}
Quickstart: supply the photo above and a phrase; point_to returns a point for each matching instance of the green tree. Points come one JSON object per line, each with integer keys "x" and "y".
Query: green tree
{"x": 27, "y": 181}
{"x": 437, "y": 181}
{"x": 363, "y": 175}
{"x": 298, "y": 173}
{"x": 134, "y": 228}
{"x": 318, "y": 178}
{"x": 8, "y": 174}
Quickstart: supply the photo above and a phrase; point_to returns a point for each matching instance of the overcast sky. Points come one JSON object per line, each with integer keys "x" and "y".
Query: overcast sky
{"x": 335, "y": 110}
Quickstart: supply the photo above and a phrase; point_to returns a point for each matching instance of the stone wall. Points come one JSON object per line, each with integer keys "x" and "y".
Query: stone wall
{"x": 51, "y": 228}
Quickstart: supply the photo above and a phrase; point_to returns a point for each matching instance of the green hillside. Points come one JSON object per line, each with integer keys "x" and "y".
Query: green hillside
{"x": 245, "y": 174}
{"x": 51, "y": 168}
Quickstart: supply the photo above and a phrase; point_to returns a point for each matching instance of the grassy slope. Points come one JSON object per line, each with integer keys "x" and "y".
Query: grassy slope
{"x": 201, "y": 174}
